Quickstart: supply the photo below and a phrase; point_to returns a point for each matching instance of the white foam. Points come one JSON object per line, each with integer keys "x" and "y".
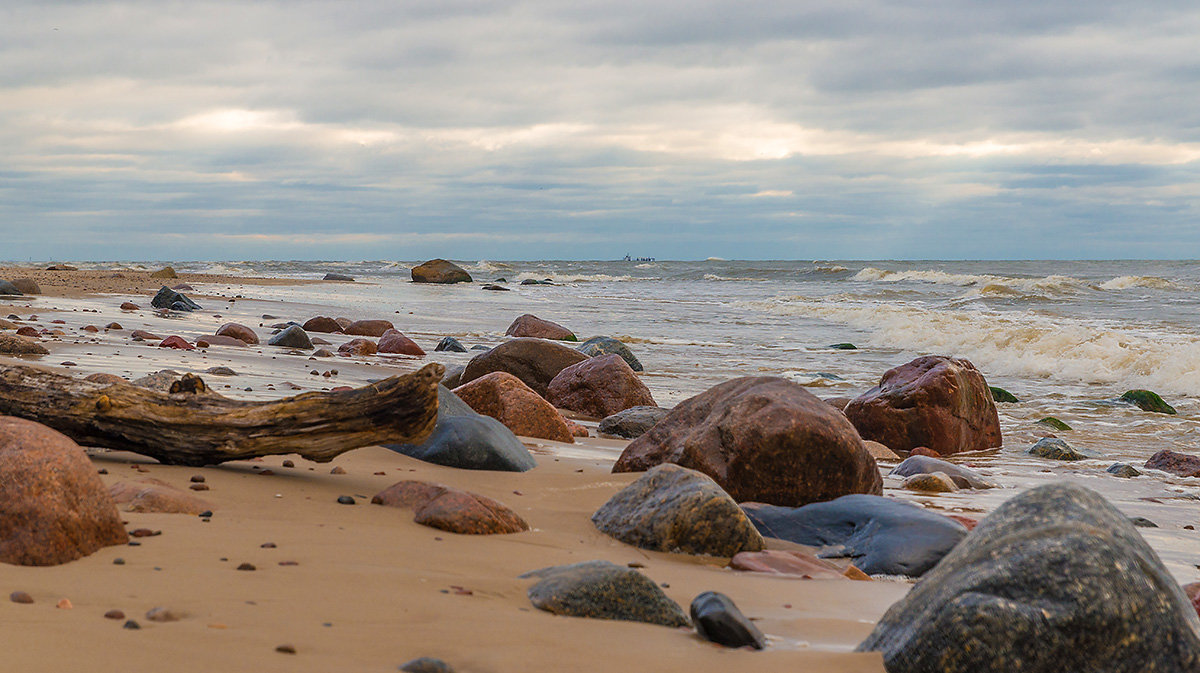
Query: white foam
{"x": 577, "y": 278}
{"x": 1048, "y": 285}
{"x": 1127, "y": 282}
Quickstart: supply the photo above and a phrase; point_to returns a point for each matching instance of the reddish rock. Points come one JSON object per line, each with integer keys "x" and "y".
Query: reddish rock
{"x": 101, "y": 377}
{"x": 143, "y": 334}
{"x": 530, "y": 325}
{"x": 393, "y": 341}
{"x": 535, "y": 361}
{"x": 793, "y": 563}
{"x": 1182, "y": 464}
{"x": 1193, "y": 593}
{"x": 113, "y": 325}
{"x": 239, "y": 332}
{"x": 130, "y": 306}
{"x": 372, "y": 328}
{"x": 505, "y": 398}
{"x": 439, "y": 271}
{"x": 358, "y": 347}
{"x": 924, "y": 451}
{"x": 90, "y": 328}
{"x": 763, "y": 439}
{"x": 838, "y": 403}
{"x": 599, "y": 387}
{"x": 53, "y": 506}
{"x": 576, "y": 429}
{"x": 18, "y": 345}
{"x": 322, "y": 324}
{"x": 27, "y": 331}
{"x": 879, "y": 451}
{"x": 343, "y": 323}
{"x": 158, "y": 498}
{"x": 219, "y": 340}
{"x": 452, "y": 510}
{"x": 966, "y": 521}
{"x": 935, "y": 401}
{"x": 176, "y": 342}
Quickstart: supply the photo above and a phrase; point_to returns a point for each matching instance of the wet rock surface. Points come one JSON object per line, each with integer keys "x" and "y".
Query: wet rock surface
{"x": 718, "y": 619}
{"x": 603, "y": 345}
{"x": 633, "y": 422}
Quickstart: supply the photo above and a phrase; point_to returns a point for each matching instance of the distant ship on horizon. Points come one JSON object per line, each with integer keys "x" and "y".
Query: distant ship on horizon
{"x": 637, "y": 259}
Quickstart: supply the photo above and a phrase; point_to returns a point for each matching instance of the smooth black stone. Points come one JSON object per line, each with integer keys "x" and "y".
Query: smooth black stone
{"x": 481, "y": 347}
{"x": 718, "y": 619}
{"x": 632, "y": 422}
{"x": 292, "y": 337}
{"x": 345, "y": 500}
{"x": 843, "y": 347}
{"x": 451, "y": 345}
{"x": 338, "y": 276}
{"x": 961, "y": 476}
{"x": 168, "y": 298}
{"x": 602, "y": 345}
{"x": 132, "y": 625}
{"x": 1055, "y": 579}
{"x": 884, "y": 536}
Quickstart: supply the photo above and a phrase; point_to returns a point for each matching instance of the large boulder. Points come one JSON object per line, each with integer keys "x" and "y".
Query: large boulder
{"x": 535, "y": 361}
{"x": 530, "y": 325}
{"x": 1182, "y": 464}
{"x": 934, "y": 401}
{"x": 465, "y": 439}
{"x": 674, "y": 509}
{"x": 763, "y": 439}
{"x": 451, "y": 510}
{"x": 27, "y": 285}
{"x": 602, "y": 345}
{"x": 292, "y": 337}
{"x": 1055, "y": 579}
{"x": 7, "y": 289}
{"x": 505, "y": 398}
{"x": 883, "y": 536}
{"x": 600, "y": 387}
{"x": 440, "y": 271}
{"x": 961, "y": 476}
{"x": 238, "y": 331}
{"x": 394, "y": 341}
{"x": 633, "y": 422}
{"x": 603, "y": 590}
{"x": 323, "y": 324}
{"x": 53, "y": 506}
{"x": 170, "y": 299}
{"x": 11, "y": 344}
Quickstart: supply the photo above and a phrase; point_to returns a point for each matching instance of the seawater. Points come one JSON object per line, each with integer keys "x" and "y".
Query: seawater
{"x": 1066, "y": 337}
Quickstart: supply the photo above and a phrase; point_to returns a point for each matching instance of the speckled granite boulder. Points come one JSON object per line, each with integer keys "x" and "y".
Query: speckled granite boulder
{"x": 603, "y": 590}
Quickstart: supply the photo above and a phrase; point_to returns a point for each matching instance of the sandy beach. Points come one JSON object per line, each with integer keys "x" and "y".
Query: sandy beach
{"x": 365, "y": 587}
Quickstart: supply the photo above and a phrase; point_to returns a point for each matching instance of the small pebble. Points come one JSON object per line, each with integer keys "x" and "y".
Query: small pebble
{"x": 132, "y": 625}
{"x": 145, "y": 532}
{"x": 288, "y": 463}
{"x": 161, "y": 614}
{"x": 345, "y": 500}
{"x": 286, "y": 648}
{"x": 199, "y": 487}
{"x": 267, "y": 473}
{"x": 118, "y": 561}
{"x": 197, "y": 479}
{"x": 267, "y": 545}
{"x": 337, "y": 470}
{"x": 114, "y": 614}
{"x": 102, "y": 471}
{"x": 289, "y": 563}
{"x": 20, "y": 597}
{"x": 64, "y": 604}
{"x": 247, "y": 566}
{"x": 206, "y": 513}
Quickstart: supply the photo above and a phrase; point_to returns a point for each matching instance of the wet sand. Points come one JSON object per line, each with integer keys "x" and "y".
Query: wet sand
{"x": 372, "y": 589}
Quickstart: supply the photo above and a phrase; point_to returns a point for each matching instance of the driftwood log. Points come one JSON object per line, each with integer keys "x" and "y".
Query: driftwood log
{"x": 194, "y": 426}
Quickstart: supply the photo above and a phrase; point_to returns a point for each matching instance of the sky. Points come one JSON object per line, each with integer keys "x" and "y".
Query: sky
{"x": 467, "y": 129}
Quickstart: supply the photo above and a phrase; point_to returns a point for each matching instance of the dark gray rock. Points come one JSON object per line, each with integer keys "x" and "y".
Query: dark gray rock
{"x": 884, "y": 536}
{"x": 633, "y": 422}
{"x": 465, "y": 439}
{"x": 495, "y": 288}
{"x": 961, "y": 476}
{"x": 603, "y": 590}
{"x": 1054, "y": 448}
{"x": 26, "y": 285}
{"x": 426, "y": 665}
{"x": 602, "y": 345}
{"x": 1123, "y": 470}
{"x": 453, "y": 376}
{"x": 481, "y": 347}
{"x": 168, "y": 298}
{"x": 292, "y": 337}
{"x": 1142, "y": 522}
{"x": 1055, "y": 579}
{"x": 674, "y": 509}
{"x": 338, "y": 276}
{"x": 718, "y": 619}
{"x": 451, "y": 345}
{"x": 9, "y": 290}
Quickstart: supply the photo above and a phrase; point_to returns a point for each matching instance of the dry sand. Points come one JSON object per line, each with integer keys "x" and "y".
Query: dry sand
{"x": 372, "y": 589}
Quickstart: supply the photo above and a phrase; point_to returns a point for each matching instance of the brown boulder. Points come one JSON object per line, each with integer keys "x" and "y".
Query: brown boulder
{"x": 239, "y": 332}
{"x": 176, "y": 342}
{"x": 6, "y": 324}
{"x": 925, "y": 451}
{"x": 879, "y": 451}
{"x": 129, "y": 306}
{"x": 322, "y": 324}
{"x": 393, "y": 341}
{"x": 28, "y": 331}
{"x": 219, "y": 340}
{"x": 165, "y": 272}
{"x": 793, "y": 563}
{"x": 530, "y": 325}
{"x": 505, "y": 398}
{"x": 440, "y": 271}
{"x": 144, "y": 335}
{"x": 371, "y": 328}
{"x": 27, "y": 285}
{"x": 12, "y": 344}
{"x": 358, "y": 347}
{"x": 53, "y": 506}
{"x": 1182, "y": 464}
{"x": 935, "y": 401}
{"x": 599, "y": 386}
{"x": 535, "y": 361}
{"x": 452, "y": 510}
{"x": 153, "y": 496}
{"x": 763, "y": 439}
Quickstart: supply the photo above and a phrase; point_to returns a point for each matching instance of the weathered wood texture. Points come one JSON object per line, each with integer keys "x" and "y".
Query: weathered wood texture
{"x": 196, "y": 426}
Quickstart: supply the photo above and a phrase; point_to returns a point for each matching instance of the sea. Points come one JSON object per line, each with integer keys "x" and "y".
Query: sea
{"x": 1067, "y": 338}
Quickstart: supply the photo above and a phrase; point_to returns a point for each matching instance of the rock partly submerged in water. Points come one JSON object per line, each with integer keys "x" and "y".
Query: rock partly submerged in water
{"x": 451, "y": 345}
{"x": 632, "y": 423}
{"x": 467, "y": 440}
{"x": 883, "y": 536}
{"x": 603, "y": 345}
{"x": 1054, "y": 448}
{"x": 1148, "y": 400}
{"x": 763, "y": 439}
{"x": 674, "y": 509}
{"x": 1001, "y": 395}
{"x": 440, "y": 271}
{"x": 935, "y": 401}
{"x": 1123, "y": 470}
{"x": 963, "y": 477}
{"x": 1182, "y": 464}
{"x": 599, "y": 387}
{"x": 339, "y": 276}
{"x": 530, "y": 325}
{"x": 1055, "y": 579}
{"x": 1054, "y": 424}
{"x": 718, "y": 619}
{"x": 603, "y": 590}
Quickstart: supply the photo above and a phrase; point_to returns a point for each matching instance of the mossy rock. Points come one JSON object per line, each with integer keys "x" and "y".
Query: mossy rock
{"x": 1052, "y": 422}
{"x": 843, "y": 347}
{"x": 1147, "y": 400}
{"x": 1053, "y": 448}
{"x": 1002, "y": 395}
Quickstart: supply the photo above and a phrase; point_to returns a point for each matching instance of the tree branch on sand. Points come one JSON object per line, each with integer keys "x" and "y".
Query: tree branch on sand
{"x": 193, "y": 425}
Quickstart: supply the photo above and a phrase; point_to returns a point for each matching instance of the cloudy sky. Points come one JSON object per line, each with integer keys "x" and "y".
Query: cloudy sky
{"x": 373, "y": 129}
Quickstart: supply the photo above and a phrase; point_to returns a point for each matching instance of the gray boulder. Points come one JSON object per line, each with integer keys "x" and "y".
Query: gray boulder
{"x": 292, "y": 337}
{"x": 170, "y": 299}
{"x": 718, "y": 619}
{"x": 884, "y": 536}
{"x": 603, "y": 590}
{"x": 338, "y": 276}
{"x": 1054, "y": 448}
{"x": 633, "y": 422}
{"x": 467, "y": 440}
{"x": 674, "y": 509}
{"x": 451, "y": 345}
{"x": 961, "y": 476}
{"x": 602, "y": 345}
{"x": 9, "y": 290}
{"x": 1055, "y": 579}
